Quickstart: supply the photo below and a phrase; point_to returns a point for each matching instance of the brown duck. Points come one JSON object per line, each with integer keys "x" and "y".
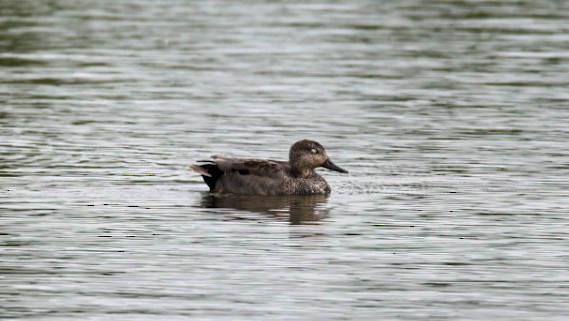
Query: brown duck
{"x": 270, "y": 177}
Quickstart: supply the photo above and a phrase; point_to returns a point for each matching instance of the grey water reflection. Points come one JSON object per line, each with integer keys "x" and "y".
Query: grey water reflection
{"x": 303, "y": 209}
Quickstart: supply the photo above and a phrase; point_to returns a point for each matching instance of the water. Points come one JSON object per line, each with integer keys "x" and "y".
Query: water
{"x": 451, "y": 118}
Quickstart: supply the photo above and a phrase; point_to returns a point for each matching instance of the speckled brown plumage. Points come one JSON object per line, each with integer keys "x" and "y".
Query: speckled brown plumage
{"x": 270, "y": 177}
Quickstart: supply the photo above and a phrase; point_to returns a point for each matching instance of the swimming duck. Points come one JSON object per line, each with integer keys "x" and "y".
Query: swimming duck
{"x": 270, "y": 177}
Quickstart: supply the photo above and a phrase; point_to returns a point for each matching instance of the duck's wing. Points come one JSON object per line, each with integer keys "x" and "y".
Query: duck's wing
{"x": 239, "y": 175}
{"x": 258, "y": 167}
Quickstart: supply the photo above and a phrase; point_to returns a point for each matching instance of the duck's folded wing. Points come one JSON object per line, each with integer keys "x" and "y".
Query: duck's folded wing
{"x": 258, "y": 167}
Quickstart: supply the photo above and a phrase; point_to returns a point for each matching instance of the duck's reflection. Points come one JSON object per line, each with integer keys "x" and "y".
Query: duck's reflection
{"x": 298, "y": 209}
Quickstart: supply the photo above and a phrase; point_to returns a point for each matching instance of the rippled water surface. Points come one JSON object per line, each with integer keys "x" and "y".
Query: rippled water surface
{"x": 450, "y": 116}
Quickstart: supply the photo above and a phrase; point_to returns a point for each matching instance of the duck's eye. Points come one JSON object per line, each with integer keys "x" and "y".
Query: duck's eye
{"x": 313, "y": 151}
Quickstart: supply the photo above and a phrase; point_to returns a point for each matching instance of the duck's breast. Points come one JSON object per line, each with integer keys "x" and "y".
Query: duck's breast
{"x": 310, "y": 186}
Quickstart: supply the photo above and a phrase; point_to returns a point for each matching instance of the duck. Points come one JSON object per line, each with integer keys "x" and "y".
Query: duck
{"x": 297, "y": 176}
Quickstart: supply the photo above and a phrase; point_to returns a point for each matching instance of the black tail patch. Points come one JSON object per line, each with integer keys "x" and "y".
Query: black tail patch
{"x": 215, "y": 173}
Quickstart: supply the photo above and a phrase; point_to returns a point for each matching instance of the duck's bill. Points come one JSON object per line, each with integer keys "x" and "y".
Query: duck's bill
{"x": 329, "y": 165}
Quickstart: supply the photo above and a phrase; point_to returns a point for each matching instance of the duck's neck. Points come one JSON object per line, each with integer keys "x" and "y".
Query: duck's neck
{"x": 297, "y": 171}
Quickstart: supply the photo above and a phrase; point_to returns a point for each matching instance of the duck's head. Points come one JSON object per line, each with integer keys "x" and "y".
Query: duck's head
{"x": 306, "y": 155}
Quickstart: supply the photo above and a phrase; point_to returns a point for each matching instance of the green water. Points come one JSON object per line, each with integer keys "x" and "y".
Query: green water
{"x": 450, "y": 116}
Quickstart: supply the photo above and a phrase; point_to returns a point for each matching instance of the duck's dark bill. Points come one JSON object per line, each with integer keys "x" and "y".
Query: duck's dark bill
{"x": 329, "y": 165}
